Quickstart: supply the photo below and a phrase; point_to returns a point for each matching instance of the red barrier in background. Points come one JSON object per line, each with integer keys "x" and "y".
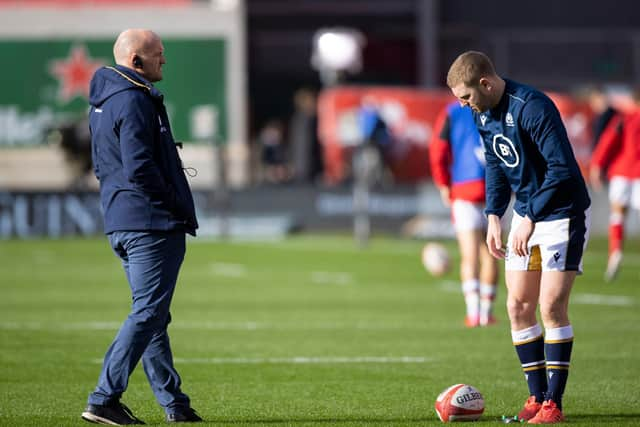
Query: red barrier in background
{"x": 410, "y": 115}
{"x": 577, "y": 118}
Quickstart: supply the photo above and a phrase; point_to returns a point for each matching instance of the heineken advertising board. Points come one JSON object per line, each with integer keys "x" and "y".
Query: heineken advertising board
{"x": 46, "y": 82}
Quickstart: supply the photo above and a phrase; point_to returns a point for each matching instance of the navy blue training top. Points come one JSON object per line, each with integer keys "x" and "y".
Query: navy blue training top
{"x": 528, "y": 152}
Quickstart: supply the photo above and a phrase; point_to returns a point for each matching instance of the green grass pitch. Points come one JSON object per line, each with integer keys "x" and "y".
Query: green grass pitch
{"x": 309, "y": 331}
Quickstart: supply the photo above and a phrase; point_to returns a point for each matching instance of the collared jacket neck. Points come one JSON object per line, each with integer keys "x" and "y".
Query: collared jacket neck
{"x": 108, "y": 81}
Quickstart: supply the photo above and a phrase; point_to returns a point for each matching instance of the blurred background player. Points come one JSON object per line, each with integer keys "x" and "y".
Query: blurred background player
{"x": 618, "y": 153}
{"x": 304, "y": 144}
{"x": 603, "y": 111}
{"x": 74, "y": 140}
{"x": 274, "y": 152}
{"x": 376, "y": 141}
{"x": 457, "y": 165}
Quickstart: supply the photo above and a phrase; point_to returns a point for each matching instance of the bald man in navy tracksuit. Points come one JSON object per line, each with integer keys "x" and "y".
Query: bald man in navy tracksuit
{"x": 528, "y": 153}
{"x": 148, "y": 208}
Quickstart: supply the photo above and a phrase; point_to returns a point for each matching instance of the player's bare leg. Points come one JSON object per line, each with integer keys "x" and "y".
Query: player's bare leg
{"x": 617, "y": 215}
{"x": 522, "y": 301}
{"x": 488, "y": 283}
{"x": 469, "y": 242}
{"x": 555, "y": 289}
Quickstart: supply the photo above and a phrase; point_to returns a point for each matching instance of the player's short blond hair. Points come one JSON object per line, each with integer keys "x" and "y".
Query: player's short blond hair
{"x": 469, "y": 68}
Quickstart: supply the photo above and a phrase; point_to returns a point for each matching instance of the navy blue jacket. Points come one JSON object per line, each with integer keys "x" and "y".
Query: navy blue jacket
{"x": 142, "y": 184}
{"x": 528, "y": 152}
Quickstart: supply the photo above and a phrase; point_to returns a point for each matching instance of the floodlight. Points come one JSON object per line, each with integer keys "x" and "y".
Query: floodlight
{"x": 336, "y": 50}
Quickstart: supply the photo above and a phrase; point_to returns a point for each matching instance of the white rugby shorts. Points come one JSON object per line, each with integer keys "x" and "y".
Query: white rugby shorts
{"x": 556, "y": 245}
{"x": 625, "y": 191}
{"x": 468, "y": 216}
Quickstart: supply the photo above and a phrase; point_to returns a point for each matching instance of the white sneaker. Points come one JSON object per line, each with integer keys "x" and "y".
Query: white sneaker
{"x": 613, "y": 265}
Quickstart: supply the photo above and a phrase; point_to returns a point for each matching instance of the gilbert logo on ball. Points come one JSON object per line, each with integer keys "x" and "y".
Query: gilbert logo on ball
{"x": 460, "y": 402}
{"x": 435, "y": 259}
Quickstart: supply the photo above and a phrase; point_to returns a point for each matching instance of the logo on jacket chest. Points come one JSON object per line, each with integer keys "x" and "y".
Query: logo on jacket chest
{"x": 506, "y": 150}
{"x": 508, "y": 121}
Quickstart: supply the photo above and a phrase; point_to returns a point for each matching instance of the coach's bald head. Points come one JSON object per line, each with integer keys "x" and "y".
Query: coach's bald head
{"x": 142, "y": 51}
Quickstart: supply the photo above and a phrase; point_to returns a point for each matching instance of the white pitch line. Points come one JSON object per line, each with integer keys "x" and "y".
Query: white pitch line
{"x": 228, "y": 269}
{"x": 450, "y": 286}
{"x": 578, "y": 298}
{"x": 221, "y": 326}
{"x": 597, "y": 299}
{"x": 331, "y": 278}
{"x": 299, "y": 360}
{"x": 77, "y": 326}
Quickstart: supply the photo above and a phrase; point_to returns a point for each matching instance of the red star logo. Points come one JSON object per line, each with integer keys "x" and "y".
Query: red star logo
{"x": 74, "y": 73}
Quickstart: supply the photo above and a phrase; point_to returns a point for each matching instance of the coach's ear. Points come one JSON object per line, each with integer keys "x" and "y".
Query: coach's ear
{"x": 485, "y": 83}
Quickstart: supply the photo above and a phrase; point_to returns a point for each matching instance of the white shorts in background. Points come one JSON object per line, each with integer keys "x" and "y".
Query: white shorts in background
{"x": 468, "y": 216}
{"x": 625, "y": 191}
{"x": 556, "y": 245}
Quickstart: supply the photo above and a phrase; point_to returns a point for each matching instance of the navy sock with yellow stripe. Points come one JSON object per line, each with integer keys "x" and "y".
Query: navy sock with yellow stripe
{"x": 529, "y": 344}
{"x": 558, "y": 344}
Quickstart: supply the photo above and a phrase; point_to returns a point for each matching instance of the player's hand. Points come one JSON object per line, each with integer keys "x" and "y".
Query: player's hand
{"x": 445, "y": 195}
{"x": 520, "y": 238}
{"x": 494, "y": 237}
{"x": 595, "y": 178}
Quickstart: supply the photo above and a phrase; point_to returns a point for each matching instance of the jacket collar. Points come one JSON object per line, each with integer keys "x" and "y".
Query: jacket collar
{"x": 136, "y": 80}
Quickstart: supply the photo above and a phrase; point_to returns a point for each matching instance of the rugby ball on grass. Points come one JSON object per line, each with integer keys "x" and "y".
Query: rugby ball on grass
{"x": 435, "y": 259}
{"x": 460, "y": 402}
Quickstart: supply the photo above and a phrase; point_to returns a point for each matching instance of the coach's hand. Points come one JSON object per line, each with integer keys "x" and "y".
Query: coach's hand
{"x": 494, "y": 237}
